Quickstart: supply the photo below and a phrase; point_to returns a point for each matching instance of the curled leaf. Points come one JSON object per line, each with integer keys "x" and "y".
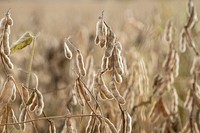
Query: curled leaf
{"x": 25, "y": 40}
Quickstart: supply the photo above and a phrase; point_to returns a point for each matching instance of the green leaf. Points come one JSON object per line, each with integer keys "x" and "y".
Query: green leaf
{"x": 25, "y": 40}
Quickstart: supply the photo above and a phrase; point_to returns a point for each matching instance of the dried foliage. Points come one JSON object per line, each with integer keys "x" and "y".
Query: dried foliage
{"x": 122, "y": 89}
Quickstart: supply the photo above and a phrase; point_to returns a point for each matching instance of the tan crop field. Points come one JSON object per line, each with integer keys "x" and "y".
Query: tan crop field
{"x": 99, "y": 66}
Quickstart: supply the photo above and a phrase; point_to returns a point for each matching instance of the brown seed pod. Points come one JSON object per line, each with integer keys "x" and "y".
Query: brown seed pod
{"x": 188, "y": 101}
{"x": 177, "y": 60}
{"x": 22, "y": 118}
{"x": 6, "y": 45}
{"x": 68, "y": 127}
{"x": 7, "y": 61}
{"x": 52, "y": 128}
{"x": 90, "y": 124}
{"x": 102, "y": 96}
{"x": 118, "y": 61}
{"x": 168, "y": 32}
{"x": 33, "y": 106}
{"x": 13, "y": 93}
{"x": 110, "y": 37}
{"x": 6, "y": 92}
{"x": 110, "y": 63}
{"x": 129, "y": 123}
{"x": 74, "y": 100}
{"x": 79, "y": 95}
{"x": 9, "y": 20}
{"x": 192, "y": 15}
{"x": 31, "y": 98}
{"x": 116, "y": 93}
{"x": 174, "y": 106}
{"x": 118, "y": 46}
{"x": 117, "y": 77}
{"x": 40, "y": 103}
{"x": 83, "y": 90}
{"x": 80, "y": 63}
{"x": 109, "y": 50}
{"x": 67, "y": 51}
{"x": 169, "y": 63}
{"x": 104, "y": 64}
{"x": 103, "y": 88}
{"x": 183, "y": 41}
{"x": 101, "y": 32}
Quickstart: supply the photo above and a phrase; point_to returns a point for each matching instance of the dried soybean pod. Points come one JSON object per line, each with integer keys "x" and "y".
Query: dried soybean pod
{"x": 102, "y": 96}
{"x": 79, "y": 96}
{"x": 111, "y": 126}
{"x": 40, "y": 103}
{"x": 118, "y": 45}
{"x": 169, "y": 32}
{"x": 118, "y": 64}
{"x": 6, "y": 92}
{"x": 101, "y": 32}
{"x": 80, "y": 63}
{"x": 31, "y": 98}
{"x": 104, "y": 89}
{"x": 74, "y": 99}
{"x": 67, "y": 51}
{"x": 33, "y": 106}
{"x": 116, "y": 93}
{"x": 177, "y": 60}
{"x": 188, "y": 101}
{"x": 174, "y": 107}
{"x": 68, "y": 128}
{"x": 109, "y": 50}
{"x": 111, "y": 36}
{"x": 129, "y": 123}
{"x": 9, "y": 20}
{"x": 6, "y": 45}
{"x": 7, "y": 61}
{"x": 83, "y": 90}
{"x": 192, "y": 15}
{"x": 52, "y": 128}
{"x": 22, "y": 118}
{"x": 13, "y": 97}
{"x": 183, "y": 41}
{"x": 117, "y": 77}
{"x": 104, "y": 64}
{"x": 90, "y": 124}
{"x": 110, "y": 63}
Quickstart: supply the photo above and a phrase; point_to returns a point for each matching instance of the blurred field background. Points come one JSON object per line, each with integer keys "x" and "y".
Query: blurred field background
{"x": 139, "y": 25}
